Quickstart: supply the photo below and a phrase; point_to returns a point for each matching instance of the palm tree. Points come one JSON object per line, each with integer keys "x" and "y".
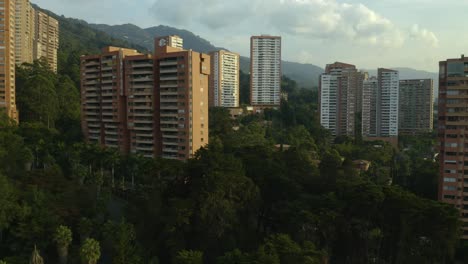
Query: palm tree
{"x": 90, "y": 251}
{"x": 63, "y": 238}
{"x": 36, "y": 257}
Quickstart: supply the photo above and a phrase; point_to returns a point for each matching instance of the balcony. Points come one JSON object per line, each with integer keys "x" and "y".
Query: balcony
{"x": 142, "y": 79}
{"x": 143, "y": 128}
{"x": 170, "y": 150}
{"x": 142, "y": 65}
{"x": 168, "y": 70}
{"x": 92, "y": 63}
{"x": 168, "y": 78}
{"x": 168, "y": 63}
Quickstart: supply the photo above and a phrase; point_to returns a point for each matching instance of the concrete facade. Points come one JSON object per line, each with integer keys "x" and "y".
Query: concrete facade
{"x": 416, "y": 110}
{"x": 46, "y": 39}
{"x": 453, "y": 134}
{"x": 224, "y": 79}
{"x": 265, "y": 71}
{"x": 7, "y": 59}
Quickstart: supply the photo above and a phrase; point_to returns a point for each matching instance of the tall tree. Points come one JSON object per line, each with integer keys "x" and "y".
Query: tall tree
{"x": 36, "y": 257}
{"x": 63, "y": 238}
{"x": 90, "y": 251}
{"x": 189, "y": 257}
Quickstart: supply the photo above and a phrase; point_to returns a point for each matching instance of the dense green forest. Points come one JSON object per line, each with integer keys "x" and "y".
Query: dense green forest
{"x": 269, "y": 188}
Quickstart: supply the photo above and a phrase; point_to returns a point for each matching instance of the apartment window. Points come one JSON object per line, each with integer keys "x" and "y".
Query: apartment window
{"x": 447, "y": 179}
{"x": 450, "y": 188}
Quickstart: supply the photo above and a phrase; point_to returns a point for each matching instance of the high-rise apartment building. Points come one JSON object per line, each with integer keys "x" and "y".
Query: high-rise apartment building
{"x": 141, "y": 104}
{"x": 452, "y": 133}
{"x": 7, "y": 58}
{"x": 103, "y": 98}
{"x": 340, "y": 92}
{"x": 416, "y": 106}
{"x": 369, "y": 107}
{"x": 46, "y": 35}
{"x": 150, "y": 105}
{"x": 224, "y": 79}
{"x": 265, "y": 71}
{"x": 24, "y": 32}
{"x": 182, "y": 81}
{"x": 387, "y": 103}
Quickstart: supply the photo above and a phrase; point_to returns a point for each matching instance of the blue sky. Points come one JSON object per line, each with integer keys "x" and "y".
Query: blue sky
{"x": 367, "y": 33}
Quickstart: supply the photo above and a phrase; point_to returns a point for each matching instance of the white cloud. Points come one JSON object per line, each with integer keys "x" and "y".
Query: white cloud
{"x": 424, "y": 35}
{"x": 317, "y": 19}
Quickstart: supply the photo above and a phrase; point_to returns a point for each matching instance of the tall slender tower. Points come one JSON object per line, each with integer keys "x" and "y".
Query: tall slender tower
{"x": 182, "y": 81}
{"x": 224, "y": 79}
{"x": 387, "y": 103}
{"x": 7, "y": 59}
{"x": 453, "y": 133}
{"x": 340, "y": 90}
{"x": 265, "y": 71}
{"x": 370, "y": 88}
{"x": 24, "y": 37}
{"x": 46, "y": 36}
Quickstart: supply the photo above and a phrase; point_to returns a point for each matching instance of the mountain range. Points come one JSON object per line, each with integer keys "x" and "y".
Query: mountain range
{"x": 86, "y": 37}
{"x": 306, "y": 75}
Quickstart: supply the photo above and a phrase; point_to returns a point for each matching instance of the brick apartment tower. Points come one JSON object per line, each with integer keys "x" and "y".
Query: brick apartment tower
{"x": 265, "y": 71}
{"x": 416, "y": 107}
{"x": 7, "y": 58}
{"x": 453, "y": 134}
{"x": 155, "y": 106}
{"x": 25, "y": 27}
{"x": 182, "y": 81}
{"x": 46, "y": 38}
{"x": 103, "y": 98}
{"x": 224, "y": 79}
{"x": 340, "y": 92}
{"x": 141, "y": 104}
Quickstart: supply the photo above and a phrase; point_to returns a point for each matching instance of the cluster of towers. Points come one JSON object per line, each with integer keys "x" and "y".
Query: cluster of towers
{"x": 26, "y": 34}
{"x": 354, "y": 104}
{"x": 157, "y": 105}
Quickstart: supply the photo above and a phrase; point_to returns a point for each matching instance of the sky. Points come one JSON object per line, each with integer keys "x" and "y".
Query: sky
{"x": 368, "y": 33}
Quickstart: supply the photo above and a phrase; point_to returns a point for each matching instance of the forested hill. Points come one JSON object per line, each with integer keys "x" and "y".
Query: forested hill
{"x": 306, "y": 75}
{"x": 78, "y": 38}
{"x": 270, "y": 188}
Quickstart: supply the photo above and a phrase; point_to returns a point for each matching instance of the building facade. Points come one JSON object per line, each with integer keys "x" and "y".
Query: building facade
{"x": 387, "y": 103}
{"x": 155, "y": 106}
{"x": 141, "y": 104}
{"x": 24, "y": 32}
{"x": 224, "y": 79}
{"x": 416, "y": 106}
{"x": 7, "y": 58}
{"x": 452, "y": 134}
{"x": 103, "y": 98}
{"x": 369, "y": 107}
{"x": 46, "y": 39}
{"x": 182, "y": 81}
{"x": 340, "y": 93}
{"x": 265, "y": 71}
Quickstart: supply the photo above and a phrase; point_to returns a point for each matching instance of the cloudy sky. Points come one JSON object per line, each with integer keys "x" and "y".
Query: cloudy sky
{"x": 368, "y": 33}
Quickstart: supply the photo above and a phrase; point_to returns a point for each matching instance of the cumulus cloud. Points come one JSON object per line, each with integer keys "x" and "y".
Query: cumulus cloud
{"x": 424, "y": 35}
{"x": 318, "y": 19}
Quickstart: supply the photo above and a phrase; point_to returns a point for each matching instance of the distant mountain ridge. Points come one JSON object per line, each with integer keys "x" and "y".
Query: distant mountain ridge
{"x": 306, "y": 75}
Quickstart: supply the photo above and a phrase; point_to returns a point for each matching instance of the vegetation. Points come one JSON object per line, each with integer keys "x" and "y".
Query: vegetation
{"x": 276, "y": 189}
